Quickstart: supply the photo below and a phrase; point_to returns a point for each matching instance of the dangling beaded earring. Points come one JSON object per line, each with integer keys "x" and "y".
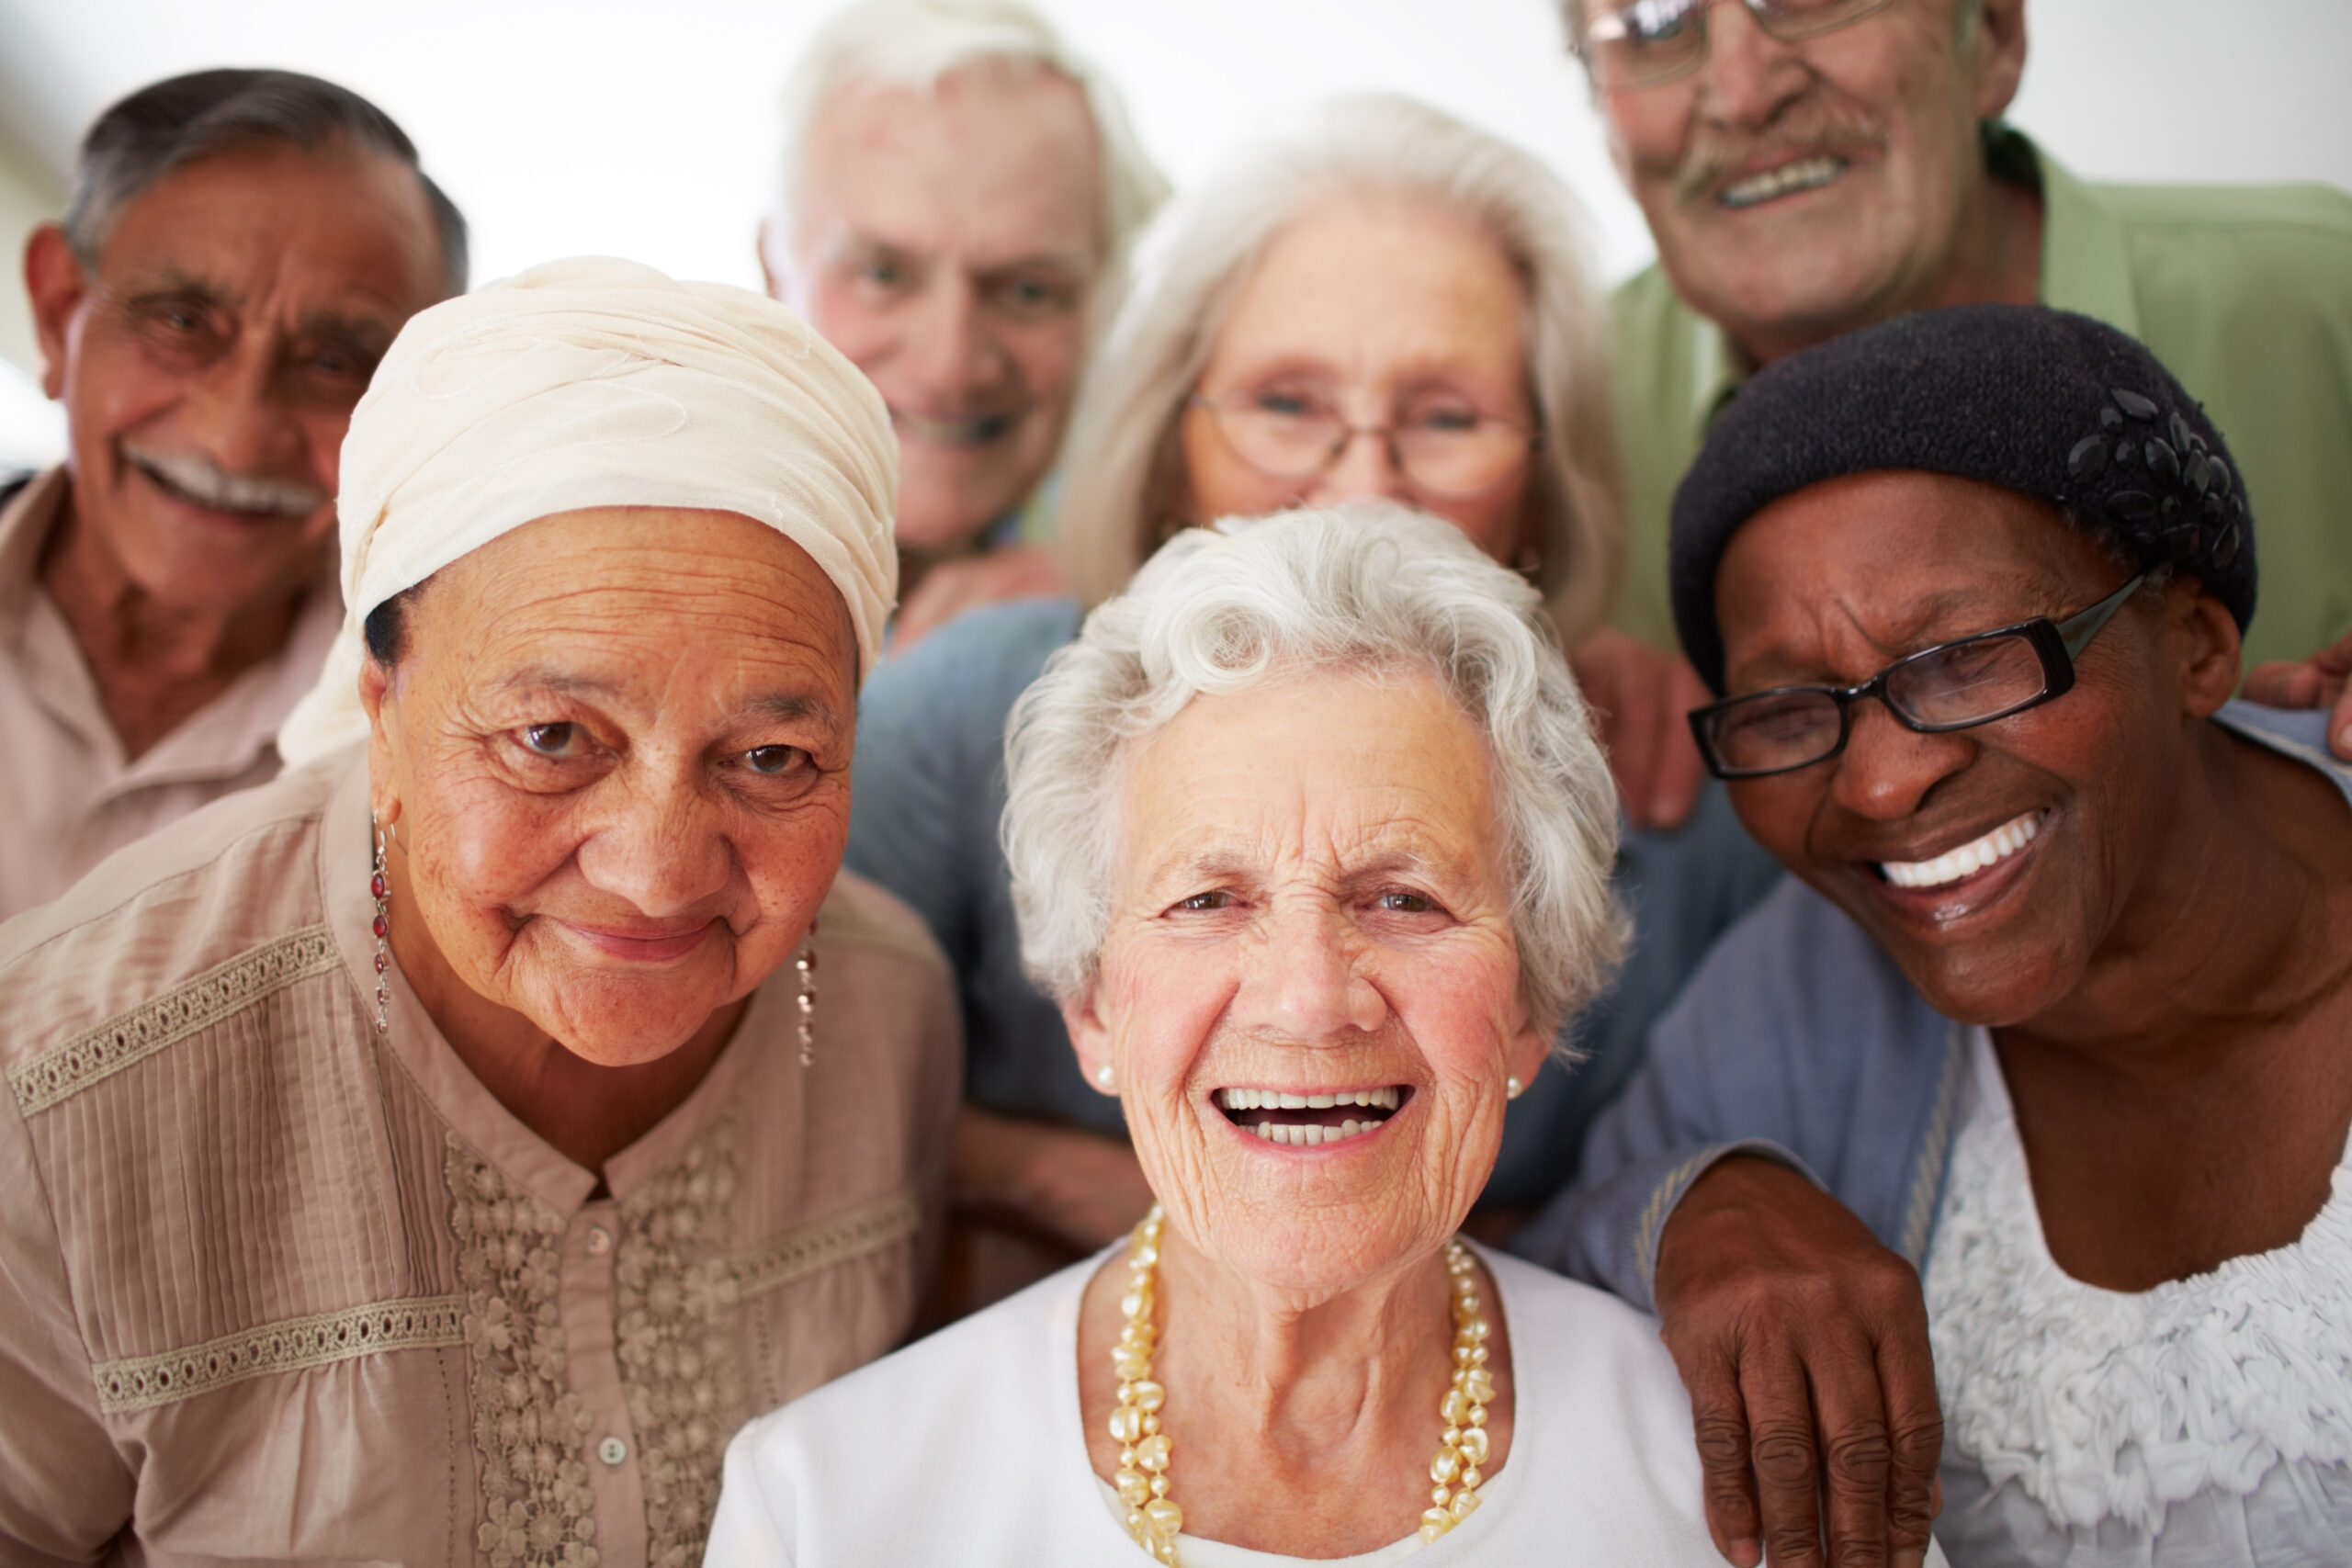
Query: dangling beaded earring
{"x": 805, "y": 963}
{"x": 383, "y": 892}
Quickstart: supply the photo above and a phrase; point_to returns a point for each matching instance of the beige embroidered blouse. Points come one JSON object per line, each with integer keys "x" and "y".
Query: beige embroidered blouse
{"x": 274, "y": 1289}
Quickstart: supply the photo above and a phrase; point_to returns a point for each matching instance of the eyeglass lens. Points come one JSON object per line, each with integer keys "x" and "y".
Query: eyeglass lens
{"x": 1951, "y": 687}
{"x": 1446, "y": 449}
{"x": 1639, "y": 42}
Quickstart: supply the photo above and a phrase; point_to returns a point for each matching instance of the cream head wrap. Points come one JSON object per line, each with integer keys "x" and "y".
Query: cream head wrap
{"x": 593, "y": 383}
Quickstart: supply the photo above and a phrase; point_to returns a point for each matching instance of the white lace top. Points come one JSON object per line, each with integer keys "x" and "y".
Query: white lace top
{"x": 2206, "y": 1423}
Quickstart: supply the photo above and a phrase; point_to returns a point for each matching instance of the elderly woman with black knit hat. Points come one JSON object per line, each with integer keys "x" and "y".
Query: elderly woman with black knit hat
{"x": 2057, "y": 1010}
{"x": 434, "y": 1155}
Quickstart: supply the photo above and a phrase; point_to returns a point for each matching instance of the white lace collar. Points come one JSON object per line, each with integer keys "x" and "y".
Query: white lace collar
{"x": 2103, "y": 1405}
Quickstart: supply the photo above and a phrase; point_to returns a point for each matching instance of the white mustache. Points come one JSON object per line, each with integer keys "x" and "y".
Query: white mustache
{"x": 207, "y": 485}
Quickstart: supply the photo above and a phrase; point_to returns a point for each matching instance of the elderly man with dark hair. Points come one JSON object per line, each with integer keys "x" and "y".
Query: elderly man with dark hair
{"x": 240, "y": 249}
{"x": 1811, "y": 167}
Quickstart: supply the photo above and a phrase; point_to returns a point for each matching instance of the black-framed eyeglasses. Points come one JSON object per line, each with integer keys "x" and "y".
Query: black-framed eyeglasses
{"x": 1445, "y": 450}
{"x": 1953, "y": 685}
{"x": 1630, "y": 44}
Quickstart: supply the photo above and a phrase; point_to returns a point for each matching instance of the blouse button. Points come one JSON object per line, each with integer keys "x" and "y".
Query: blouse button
{"x": 600, "y": 1242}
{"x": 613, "y": 1451}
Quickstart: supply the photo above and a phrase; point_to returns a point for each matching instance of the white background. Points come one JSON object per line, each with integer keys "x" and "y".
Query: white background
{"x": 571, "y": 126}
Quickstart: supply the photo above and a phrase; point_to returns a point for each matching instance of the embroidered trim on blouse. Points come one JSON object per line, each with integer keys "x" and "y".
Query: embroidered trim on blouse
{"x": 1926, "y": 1181}
{"x": 63, "y": 1071}
{"x": 822, "y": 1243}
{"x": 529, "y": 1427}
{"x": 2103, "y": 1405}
{"x": 679, "y": 1369}
{"x": 142, "y": 1383}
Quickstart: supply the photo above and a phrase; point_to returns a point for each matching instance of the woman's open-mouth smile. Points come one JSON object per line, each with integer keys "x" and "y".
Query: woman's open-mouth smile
{"x": 1311, "y": 1118}
{"x": 1966, "y": 877}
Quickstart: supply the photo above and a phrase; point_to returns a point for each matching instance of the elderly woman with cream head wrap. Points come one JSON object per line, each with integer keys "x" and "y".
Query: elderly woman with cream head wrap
{"x": 434, "y": 1155}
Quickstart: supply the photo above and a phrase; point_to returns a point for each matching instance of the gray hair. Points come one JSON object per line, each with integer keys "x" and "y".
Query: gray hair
{"x": 1372, "y": 586}
{"x": 913, "y": 44}
{"x": 1122, "y": 451}
{"x": 171, "y": 123}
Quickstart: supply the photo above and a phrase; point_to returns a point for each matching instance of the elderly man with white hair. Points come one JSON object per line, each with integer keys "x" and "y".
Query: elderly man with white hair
{"x": 239, "y": 250}
{"x": 960, "y": 192}
{"x": 1810, "y": 167}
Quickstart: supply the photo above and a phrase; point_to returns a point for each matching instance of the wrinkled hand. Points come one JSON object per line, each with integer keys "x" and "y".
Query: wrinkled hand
{"x": 2323, "y": 681}
{"x": 951, "y": 587}
{"x": 1640, "y": 695}
{"x": 1804, "y": 1345}
{"x": 1077, "y": 1187}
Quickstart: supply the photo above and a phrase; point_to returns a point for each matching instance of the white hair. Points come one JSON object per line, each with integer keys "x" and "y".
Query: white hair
{"x": 1123, "y": 462}
{"x": 913, "y": 44}
{"x": 1372, "y": 587}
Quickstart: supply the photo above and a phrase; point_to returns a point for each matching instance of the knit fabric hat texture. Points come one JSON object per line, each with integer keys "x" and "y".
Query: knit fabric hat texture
{"x": 2047, "y": 402}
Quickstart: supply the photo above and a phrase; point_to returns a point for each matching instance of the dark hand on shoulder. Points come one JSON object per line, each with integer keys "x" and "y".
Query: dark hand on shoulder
{"x": 1804, "y": 1345}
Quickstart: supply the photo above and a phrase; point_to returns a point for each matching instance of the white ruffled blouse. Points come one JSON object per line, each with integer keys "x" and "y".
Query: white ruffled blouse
{"x": 2206, "y": 1423}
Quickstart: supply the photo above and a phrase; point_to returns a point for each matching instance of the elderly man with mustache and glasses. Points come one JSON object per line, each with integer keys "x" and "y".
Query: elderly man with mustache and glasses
{"x": 240, "y": 248}
{"x": 1811, "y": 167}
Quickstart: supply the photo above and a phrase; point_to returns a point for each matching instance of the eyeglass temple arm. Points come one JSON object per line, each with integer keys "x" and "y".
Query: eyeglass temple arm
{"x": 2076, "y": 631}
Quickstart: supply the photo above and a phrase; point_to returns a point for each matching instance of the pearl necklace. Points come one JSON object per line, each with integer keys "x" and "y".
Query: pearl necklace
{"x": 1153, "y": 1518}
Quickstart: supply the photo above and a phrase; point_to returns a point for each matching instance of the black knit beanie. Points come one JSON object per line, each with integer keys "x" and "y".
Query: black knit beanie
{"x": 2044, "y": 402}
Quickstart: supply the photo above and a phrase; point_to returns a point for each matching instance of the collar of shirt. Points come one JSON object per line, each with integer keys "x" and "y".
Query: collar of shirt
{"x": 220, "y": 741}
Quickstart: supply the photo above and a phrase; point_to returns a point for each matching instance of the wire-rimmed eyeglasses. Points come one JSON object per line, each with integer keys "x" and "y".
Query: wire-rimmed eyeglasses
{"x": 1629, "y": 44}
{"x": 1953, "y": 685}
{"x": 1445, "y": 450}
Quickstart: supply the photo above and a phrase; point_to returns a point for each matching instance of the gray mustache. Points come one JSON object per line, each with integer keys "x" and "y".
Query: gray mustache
{"x": 1809, "y": 127}
{"x": 207, "y": 485}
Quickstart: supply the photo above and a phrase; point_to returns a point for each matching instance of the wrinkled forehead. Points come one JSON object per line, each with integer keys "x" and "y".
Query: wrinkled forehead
{"x": 1326, "y": 771}
{"x": 332, "y": 216}
{"x": 993, "y": 131}
{"x": 1898, "y": 554}
{"x": 628, "y": 596}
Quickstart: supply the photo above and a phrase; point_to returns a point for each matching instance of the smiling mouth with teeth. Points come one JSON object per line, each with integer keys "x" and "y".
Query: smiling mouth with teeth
{"x": 977, "y": 432}
{"x": 1310, "y": 1121}
{"x": 1803, "y": 174}
{"x": 1955, "y": 865}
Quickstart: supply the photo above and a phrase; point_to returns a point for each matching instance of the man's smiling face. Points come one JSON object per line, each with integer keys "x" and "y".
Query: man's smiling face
{"x": 209, "y": 362}
{"x": 1799, "y": 190}
{"x": 948, "y": 241}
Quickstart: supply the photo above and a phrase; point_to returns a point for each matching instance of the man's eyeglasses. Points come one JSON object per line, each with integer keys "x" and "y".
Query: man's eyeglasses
{"x": 1447, "y": 450}
{"x": 1953, "y": 685}
{"x": 1630, "y": 44}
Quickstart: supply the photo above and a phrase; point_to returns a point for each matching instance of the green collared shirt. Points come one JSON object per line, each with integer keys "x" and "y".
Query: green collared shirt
{"x": 2243, "y": 292}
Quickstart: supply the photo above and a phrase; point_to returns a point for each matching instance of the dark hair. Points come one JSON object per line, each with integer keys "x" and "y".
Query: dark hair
{"x": 167, "y": 124}
{"x": 386, "y": 628}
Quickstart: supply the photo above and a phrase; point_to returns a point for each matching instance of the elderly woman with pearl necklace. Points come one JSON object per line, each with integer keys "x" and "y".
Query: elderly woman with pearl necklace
{"x": 1311, "y": 838}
